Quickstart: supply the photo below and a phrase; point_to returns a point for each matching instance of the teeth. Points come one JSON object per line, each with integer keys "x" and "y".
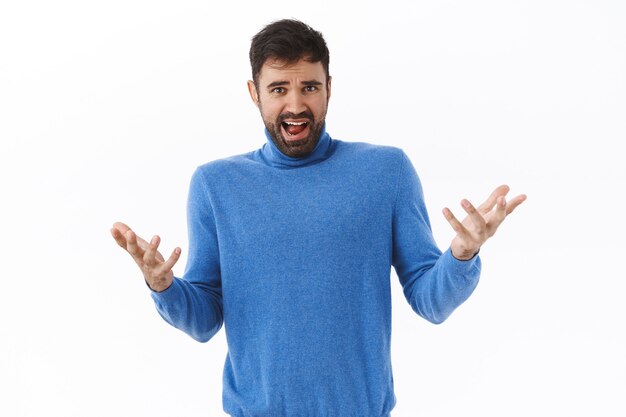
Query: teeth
{"x": 295, "y": 123}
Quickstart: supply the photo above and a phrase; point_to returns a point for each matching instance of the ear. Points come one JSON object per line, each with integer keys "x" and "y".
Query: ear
{"x": 328, "y": 86}
{"x": 254, "y": 95}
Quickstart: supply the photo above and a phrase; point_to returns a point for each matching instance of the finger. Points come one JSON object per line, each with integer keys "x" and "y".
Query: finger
{"x": 149, "y": 258}
{"x": 119, "y": 237}
{"x": 455, "y": 223}
{"x": 501, "y": 208}
{"x": 171, "y": 261}
{"x": 498, "y": 216}
{"x": 123, "y": 228}
{"x": 490, "y": 202}
{"x": 142, "y": 243}
{"x": 131, "y": 245}
{"x": 474, "y": 214}
{"x": 512, "y": 205}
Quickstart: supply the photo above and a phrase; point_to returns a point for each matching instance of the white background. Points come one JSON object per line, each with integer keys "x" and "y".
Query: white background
{"x": 106, "y": 108}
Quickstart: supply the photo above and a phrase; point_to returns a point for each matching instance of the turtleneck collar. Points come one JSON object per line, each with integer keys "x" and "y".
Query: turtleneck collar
{"x": 276, "y": 158}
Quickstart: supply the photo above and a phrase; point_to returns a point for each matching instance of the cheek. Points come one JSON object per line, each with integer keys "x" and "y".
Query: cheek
{"x": 321, "y": 106}
{"x": 269, "y": 110}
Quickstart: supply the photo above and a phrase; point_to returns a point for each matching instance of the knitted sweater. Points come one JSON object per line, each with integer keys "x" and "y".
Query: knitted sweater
{"x": 293, "y": 256}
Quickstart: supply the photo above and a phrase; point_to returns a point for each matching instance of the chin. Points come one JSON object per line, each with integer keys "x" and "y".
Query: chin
{"x": 298, "y": 148}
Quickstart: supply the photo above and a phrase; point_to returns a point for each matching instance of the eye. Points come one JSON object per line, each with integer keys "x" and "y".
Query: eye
{"x": 278, "y": 90}
{"x": 310, "y": 88}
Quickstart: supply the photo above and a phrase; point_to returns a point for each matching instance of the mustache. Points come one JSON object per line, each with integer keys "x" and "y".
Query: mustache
{"x": 290, "y": 115}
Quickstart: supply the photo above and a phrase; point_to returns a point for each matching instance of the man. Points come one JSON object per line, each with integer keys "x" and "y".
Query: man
{"x": 291, "y": 247}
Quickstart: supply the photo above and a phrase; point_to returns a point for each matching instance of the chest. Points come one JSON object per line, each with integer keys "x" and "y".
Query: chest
{"x": 288, "y": 212}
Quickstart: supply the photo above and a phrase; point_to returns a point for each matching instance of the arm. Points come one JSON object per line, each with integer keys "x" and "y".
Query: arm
{"x": 434, "y": 284}
{"x": 192, "y": 304}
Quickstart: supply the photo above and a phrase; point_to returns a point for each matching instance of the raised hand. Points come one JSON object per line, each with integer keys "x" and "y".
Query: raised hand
{"x": 481, "y": 223}
{"x": 156, "y": 270}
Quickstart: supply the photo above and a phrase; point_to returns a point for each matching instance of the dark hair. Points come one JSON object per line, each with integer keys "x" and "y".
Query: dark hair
{"x": 288, "y": 40}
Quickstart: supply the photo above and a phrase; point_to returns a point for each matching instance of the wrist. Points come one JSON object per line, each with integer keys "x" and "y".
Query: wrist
{"x": 463, "y": 255}
{"x": 158, "y": 287}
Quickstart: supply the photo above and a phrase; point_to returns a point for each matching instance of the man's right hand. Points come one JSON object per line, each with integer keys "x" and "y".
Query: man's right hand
{"x": 156, "y": 270}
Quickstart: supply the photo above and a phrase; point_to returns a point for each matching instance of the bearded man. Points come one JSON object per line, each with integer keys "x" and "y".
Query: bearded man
{"x": 291, "y": 247}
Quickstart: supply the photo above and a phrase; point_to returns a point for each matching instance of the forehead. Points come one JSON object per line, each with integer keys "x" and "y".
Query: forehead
{"x": 280, "y": 70}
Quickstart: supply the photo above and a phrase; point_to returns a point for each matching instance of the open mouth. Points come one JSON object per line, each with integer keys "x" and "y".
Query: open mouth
{"x": 295, "y": 130}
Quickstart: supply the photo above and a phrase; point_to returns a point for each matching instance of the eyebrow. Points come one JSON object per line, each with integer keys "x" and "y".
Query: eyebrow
{"x": 282, "y": 83}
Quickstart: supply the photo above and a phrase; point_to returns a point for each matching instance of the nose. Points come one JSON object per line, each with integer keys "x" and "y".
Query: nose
{"x": 295, "y": 102}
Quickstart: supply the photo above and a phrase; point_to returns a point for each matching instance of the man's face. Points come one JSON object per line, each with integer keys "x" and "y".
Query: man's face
{"x": 293, "y": 100}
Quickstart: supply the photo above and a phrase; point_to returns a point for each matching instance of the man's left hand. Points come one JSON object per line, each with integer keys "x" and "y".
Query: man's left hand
{"x": 481, "y": 223}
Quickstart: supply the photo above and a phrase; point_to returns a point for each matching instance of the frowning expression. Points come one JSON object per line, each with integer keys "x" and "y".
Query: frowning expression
{"x": 293, "y": 100}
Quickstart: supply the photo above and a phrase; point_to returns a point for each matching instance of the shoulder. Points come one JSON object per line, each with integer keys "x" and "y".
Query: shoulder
{"x": 224, "y": 165}
{"x": 221, "y": 172}
{"x": 372, "y": 153}
{"x": 229, "y": 162}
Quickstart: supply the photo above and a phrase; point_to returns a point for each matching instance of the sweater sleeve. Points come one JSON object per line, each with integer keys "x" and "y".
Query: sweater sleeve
{"x": 193, "y": 303}
{"x": 434, "y": 283}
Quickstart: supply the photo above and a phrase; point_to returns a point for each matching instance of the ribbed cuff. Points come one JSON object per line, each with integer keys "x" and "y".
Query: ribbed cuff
{"x": 170, "y": 293}
{"x": 469, "y": 268}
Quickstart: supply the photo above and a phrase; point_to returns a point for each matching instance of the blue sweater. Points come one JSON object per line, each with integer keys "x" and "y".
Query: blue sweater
{"x": 294, "y": 256}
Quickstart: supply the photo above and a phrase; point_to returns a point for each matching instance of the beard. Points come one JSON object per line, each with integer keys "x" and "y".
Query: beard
{"x": 295, "y": 148}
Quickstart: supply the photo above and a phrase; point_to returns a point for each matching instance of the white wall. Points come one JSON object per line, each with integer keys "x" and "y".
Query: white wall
{"x": 107, "y": 107}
